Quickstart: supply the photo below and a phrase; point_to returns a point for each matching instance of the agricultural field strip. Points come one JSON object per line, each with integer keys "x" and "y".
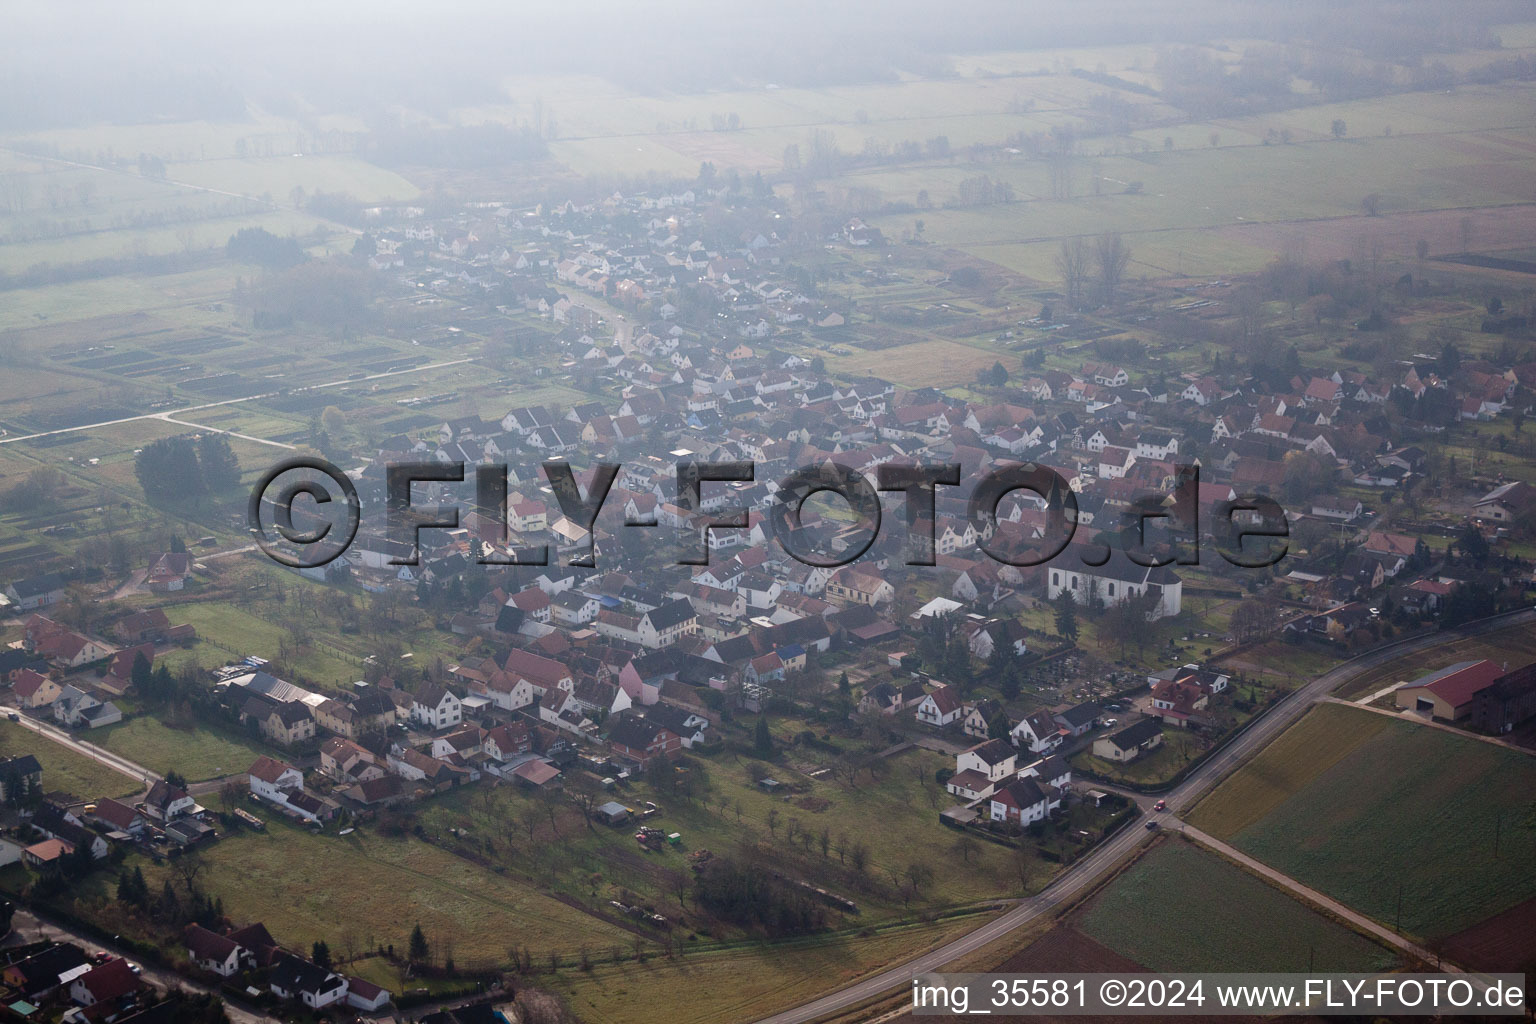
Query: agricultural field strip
{"x": 167, "y": 181}
{"x": 1390, "y": 715}
{"x": 1315, "y": 898}
{"x": 1371, "y": 816}
{"x": 166, "y": 416}
{"x": 1236, "y": 917}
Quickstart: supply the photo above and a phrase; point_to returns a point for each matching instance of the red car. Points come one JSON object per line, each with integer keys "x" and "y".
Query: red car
{"x": 1161, "y": 805}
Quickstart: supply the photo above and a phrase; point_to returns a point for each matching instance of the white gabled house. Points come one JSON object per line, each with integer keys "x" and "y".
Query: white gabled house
{"x": 940, "y": 708}
{"x": 436, "y": 707}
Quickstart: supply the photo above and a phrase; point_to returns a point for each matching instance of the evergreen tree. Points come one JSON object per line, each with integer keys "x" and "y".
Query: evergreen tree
{"x": 997, "y": 728}
{"x": 320, "y": 953}
{"x": 762, "y": 739}
{"x": 169, "y": 907}
{"x": 1010, "y": 683}
{"x": 842, "y": 683}
{"x": 168, "y": 470}
{"x": 142, "y": 675}
{"x": 1066, "y": 618}
{"x": 418, "y": 950}
{"x": 217, "y": 462}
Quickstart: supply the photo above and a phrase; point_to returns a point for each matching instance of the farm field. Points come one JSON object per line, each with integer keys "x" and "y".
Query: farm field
{"x": 605, "y": 129}
{"x": 1062, "y": 949}
{"x": 241, "y": 633}
{"x": 933, "y": 363}
{"x": 127, "y": 243}
{"x": 1433, "y": 160}
{"x": 1298, "y": 756}
{"x": 378, "y": 888}
{"x": 1223, "y": 920}
{"x": 1360, "y": 829}
{"x": 1504, "y": 942}
{"x": 173, "y": 295}
{"x": 196, "y": 754}
{"x": 65, "y": 771}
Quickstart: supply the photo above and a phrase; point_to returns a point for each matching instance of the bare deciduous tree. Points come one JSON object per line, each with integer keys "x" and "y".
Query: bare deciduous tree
{"x": 1072, "y": 265}
{"x": 1112, "y": 257}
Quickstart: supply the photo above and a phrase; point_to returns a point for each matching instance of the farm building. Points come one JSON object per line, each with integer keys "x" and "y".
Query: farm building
{"x": 1448, "y": 694}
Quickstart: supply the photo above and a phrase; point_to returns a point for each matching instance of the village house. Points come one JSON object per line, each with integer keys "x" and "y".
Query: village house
{"x": 436, "y": 707}
{"x": 940, "y": 707}
{"x": 981, "y": 768}
{"x": 220, "y": 954}
{"x": 858, "y": 587}
{"x": 1022, "y": 801}
{"x": 1131, "y": 742}
{"x": 639, "y": 739}
{"x": 1037, "y": 732}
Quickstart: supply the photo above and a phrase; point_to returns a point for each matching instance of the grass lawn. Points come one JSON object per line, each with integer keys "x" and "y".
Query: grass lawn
{"x": 239, "y": 633}
{"x": 306, "y": 887}
{"x": 1438, "y": 822}
{"x": 1179, "y": 747}
{"x": 895, "y": 817}
{"x": 63, "y": 769}
{"x": 1183, "y": 909}
{"x": 196, "y": 754}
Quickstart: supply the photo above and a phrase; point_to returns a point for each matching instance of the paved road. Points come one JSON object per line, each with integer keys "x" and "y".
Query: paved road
{"x": 134, "y": 771}
{"x": 30, "y": 928}
{"x": 1082, "y": 874}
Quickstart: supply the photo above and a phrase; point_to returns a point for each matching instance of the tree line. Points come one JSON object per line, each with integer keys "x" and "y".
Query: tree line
{"x": 181, "y": 467}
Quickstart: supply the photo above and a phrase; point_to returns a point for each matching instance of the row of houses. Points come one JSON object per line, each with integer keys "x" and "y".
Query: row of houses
{"x": 289, "y": 976}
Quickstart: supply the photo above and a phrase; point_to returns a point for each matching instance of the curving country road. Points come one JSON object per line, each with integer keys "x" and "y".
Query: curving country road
{"x": 1088, "y": 870}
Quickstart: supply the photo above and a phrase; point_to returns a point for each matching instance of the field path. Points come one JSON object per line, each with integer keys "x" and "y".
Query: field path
{"x": 168, "y": 416}
{"x": 1357, "y": 920}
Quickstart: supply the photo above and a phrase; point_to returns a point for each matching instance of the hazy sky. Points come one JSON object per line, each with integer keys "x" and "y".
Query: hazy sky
{"x": 94, "y": 60}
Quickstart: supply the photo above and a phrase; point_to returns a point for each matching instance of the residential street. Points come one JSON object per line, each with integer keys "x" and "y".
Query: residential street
{"x": 65, "y": 738}
{"x": 28, "y": 927}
